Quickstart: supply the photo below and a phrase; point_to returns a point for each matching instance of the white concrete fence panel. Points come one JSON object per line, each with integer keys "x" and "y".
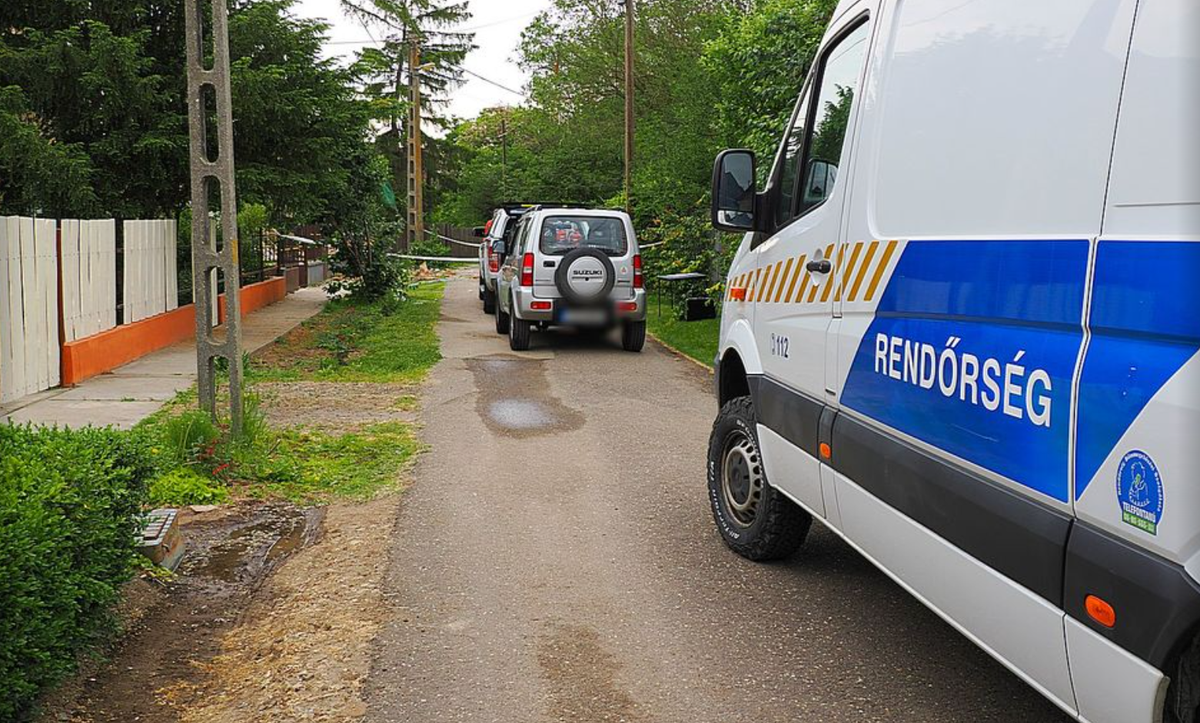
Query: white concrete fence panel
{"x": 89, "y": 277}
{"x": 29, "y": 343}
{"x": 151, "y": 284}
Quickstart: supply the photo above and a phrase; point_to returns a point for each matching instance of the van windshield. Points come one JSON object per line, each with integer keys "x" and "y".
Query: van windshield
{"x": 562, "y": 234}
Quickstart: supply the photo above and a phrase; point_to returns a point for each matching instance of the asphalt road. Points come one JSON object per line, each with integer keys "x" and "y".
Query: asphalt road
{"x": 555, "y": 560}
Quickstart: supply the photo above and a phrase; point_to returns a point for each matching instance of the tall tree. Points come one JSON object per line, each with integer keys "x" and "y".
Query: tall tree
{"x": 384, "y": 74}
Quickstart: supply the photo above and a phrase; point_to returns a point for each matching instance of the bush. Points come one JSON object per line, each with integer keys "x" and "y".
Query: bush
{"x": 369, "y": 271}
{"x": 69, "y": 508}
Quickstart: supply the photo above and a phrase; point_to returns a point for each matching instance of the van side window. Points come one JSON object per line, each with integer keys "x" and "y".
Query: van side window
{"x": 790, "y": 160}
{"x": 831, "y": 116}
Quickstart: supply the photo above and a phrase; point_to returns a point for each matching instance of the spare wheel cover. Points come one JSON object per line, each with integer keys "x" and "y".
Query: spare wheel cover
{"x": 585, "y": 276}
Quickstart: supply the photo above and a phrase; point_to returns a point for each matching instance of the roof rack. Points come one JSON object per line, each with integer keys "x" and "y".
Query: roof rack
{"x": 511, "y": 205}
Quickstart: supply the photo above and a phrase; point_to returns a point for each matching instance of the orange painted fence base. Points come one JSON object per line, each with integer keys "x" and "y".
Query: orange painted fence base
{"x": 103, "y": 352}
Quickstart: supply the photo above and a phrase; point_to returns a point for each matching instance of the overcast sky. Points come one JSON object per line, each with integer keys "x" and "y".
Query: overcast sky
{"x": 497, "y": 25}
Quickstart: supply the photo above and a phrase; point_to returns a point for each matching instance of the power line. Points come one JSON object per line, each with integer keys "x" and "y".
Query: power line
{"x": 491, "y": 82}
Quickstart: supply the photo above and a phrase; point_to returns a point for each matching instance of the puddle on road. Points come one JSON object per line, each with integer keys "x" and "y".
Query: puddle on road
{"x": 515, "y": 400}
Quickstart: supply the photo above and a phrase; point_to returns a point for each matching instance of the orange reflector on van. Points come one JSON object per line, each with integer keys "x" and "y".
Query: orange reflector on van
{"x": 627, "y": 305}
{"x": 826, "y": 451}
{"x": 540, "y": 305}
{"x": 1100, "y": 611}
{"x": 738, "y": 293}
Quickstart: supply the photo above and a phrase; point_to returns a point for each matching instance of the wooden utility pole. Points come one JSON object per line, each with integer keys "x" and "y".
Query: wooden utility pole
{"x": 415, "y": 230}
{"x": 628, "y": 105}
{"x": 504, "y": 154}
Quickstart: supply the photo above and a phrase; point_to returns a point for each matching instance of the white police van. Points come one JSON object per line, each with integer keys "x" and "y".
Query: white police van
{"x": 962, "y": 331}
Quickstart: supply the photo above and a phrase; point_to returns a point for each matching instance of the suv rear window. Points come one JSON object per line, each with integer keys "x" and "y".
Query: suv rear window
{"x": 561, "y": 234}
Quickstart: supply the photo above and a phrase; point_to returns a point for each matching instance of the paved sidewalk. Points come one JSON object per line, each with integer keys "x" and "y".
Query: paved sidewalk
{"x": 129, "y": 394}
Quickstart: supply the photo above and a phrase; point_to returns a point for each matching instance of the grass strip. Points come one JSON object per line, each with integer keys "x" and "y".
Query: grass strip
{"x": 697, "y": 340}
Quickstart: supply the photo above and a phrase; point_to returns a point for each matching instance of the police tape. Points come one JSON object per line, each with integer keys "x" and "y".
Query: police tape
{"x": 445, "y": 259}
{"x": 447, "y": 239}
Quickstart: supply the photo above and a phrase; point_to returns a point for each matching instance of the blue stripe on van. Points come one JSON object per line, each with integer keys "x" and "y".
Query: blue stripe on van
{"x": 1145, "y": 324}
{"x": 1015, "y": 306}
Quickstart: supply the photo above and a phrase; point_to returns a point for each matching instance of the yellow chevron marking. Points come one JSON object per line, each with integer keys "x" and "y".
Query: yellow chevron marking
{"x": 773, "y": 273}
{"x": 879, "y": 270}
{"x": 858, "y": 247}
{"x": 862, "y": 270}
{"x": 754, "y": 284}
{"x": 783, "y": 280}
{"x": 803, "y": 287}
{"x": 795, "y": 276}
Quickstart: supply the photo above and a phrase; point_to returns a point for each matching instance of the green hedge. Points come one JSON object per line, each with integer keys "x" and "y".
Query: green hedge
{"x": 69, "y": 503}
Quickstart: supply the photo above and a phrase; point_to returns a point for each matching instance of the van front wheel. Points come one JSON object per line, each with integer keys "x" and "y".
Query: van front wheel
{"x": 754, "y": 519}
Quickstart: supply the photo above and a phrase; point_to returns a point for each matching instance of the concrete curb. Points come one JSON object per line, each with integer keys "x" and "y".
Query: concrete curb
{"x": 678, "y": 353}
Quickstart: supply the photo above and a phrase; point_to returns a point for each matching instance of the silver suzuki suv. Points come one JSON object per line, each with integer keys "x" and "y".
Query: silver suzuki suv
{"x": 572, "y": 267}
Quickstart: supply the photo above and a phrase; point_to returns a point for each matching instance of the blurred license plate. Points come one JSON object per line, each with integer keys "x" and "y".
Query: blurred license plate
{"x": 589, "y": 317}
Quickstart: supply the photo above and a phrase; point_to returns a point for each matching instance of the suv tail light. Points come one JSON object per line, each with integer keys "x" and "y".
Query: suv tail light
{"x": 527, "y": 270}
{"x": 493, "y": 257}
{"x": 637, "y": 271}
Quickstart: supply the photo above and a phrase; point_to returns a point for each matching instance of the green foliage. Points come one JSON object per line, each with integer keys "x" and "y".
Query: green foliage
{"x": 93, "y": 114}
{"x": 185, "y": 486}
{"x": 252, "y": 219}
{"x": 759, "y": 60}
{"x": 69, "y": 508}
{"x": 354, "y": 341}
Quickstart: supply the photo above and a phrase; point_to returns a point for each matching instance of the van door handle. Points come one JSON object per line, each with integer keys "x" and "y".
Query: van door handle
{"x": 819, "y": 267}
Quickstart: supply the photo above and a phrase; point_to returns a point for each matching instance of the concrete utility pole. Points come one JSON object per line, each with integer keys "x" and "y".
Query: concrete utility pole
{"x": 416, "y": 164}
{"x": 628, "y": 105}
{"x": 209, "y": 173}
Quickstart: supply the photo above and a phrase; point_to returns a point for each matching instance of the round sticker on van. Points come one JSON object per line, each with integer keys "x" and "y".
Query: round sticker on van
{"x": 1140, "y": 492}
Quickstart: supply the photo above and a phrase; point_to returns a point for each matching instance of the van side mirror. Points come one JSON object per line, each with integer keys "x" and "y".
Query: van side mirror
{"x": 479, "y": 231}
{"x": 734, "y": 191}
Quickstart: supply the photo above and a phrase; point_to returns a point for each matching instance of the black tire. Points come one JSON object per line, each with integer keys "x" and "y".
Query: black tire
{"x": 518, "y": 334}
{"x": 482, "y": 290}
{"x": 502, "y": 321}
{"x": 754, "y": 519}
{"x": 633, "y": 335}
{"x": 489, "y": 302}
{"x": 1183, "y": 697}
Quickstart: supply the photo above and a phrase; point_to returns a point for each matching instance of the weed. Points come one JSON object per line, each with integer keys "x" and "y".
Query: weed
{"x": 184, "y": 486}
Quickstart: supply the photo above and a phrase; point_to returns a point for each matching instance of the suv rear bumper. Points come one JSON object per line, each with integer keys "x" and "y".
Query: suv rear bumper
{"x": 622, "y": 309}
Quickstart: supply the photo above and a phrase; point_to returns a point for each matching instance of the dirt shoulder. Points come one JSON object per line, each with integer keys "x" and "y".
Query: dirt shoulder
{"x": 301, "y": 652}
{"x": 271, "y": 615}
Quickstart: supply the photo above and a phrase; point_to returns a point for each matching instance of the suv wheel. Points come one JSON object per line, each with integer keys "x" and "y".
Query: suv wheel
{"x": 518, "y": 333}
{"x": 755, "y": 520}
{"x": 633, "y": 335}
{"x": 489, "y": 301}
{"x": 502, "y": 320}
